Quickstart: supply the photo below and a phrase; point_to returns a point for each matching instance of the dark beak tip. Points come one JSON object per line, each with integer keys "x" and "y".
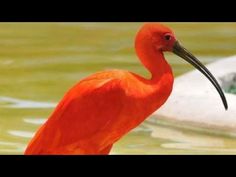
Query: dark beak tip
{"x": 226, "y": 106}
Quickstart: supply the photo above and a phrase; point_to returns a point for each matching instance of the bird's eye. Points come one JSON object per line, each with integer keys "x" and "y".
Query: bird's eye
{"x": 167, "y": 37}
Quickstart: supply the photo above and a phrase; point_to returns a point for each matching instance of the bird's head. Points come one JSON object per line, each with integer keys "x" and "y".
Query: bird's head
{"x": 160, "y": 38}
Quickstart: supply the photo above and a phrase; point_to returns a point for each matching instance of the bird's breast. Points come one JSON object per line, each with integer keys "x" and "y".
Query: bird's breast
{"x": 142, "y": 98}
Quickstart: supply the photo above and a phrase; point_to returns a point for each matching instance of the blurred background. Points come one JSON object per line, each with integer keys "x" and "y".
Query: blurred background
{"x": 39, "y": 62}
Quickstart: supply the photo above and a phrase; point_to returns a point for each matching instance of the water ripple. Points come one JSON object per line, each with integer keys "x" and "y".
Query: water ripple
{"x": 24, "y": 134}
{"x": 36, "y": 121}
{"x": 19, "y": 103}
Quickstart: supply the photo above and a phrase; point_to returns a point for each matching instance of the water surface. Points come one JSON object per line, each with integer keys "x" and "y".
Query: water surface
{"x": 39, "y": 62}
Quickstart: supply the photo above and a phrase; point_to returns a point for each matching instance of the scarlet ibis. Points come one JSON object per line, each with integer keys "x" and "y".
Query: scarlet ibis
{"x": 102, "y": 108}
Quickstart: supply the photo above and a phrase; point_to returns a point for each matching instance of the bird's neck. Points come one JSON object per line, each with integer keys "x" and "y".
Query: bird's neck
{"x": 159, "y": 85}
{"x": 161, "y": 80}
{"x": 153, "y": 60}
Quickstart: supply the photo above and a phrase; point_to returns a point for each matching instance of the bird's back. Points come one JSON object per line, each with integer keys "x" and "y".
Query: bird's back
{"x": 85, "y": 110}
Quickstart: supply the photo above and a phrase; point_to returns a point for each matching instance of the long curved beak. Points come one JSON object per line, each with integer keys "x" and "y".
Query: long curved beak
{"x": 186, "y": 55}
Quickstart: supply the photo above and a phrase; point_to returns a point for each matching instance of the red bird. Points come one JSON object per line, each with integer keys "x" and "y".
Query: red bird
{"x": 102, "y": 108}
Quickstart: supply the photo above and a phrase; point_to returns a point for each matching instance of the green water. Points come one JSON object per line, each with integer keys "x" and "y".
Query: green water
{"x": 40, "y": 61}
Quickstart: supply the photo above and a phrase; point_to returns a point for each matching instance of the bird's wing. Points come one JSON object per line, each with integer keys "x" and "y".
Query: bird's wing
{"x": 84, "y": 111}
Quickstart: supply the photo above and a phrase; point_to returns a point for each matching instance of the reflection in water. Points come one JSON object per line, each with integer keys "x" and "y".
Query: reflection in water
{"x": 23, "y": 134}
{"x": 11, "y": 148}
{"x": 180, "y": 140}
{"x": 165, "y": 138}
{"x": 36, "y": 121}
{"x": 9, "y": 102}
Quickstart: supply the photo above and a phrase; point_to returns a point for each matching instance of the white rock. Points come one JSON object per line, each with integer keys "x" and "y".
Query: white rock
{"x": 195, "y": 101}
